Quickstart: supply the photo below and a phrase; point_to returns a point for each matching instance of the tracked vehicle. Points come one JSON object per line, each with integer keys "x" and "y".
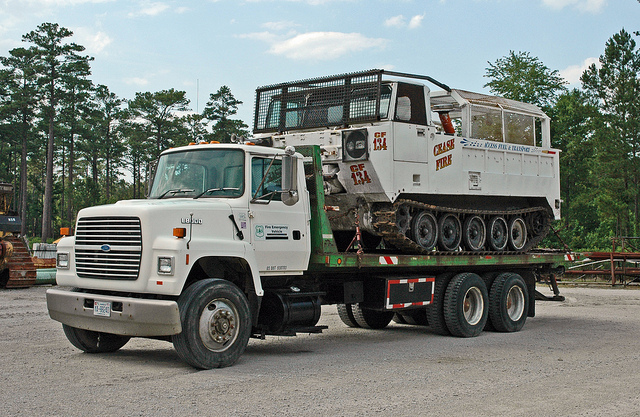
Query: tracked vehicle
{"x": 447, "y": 171}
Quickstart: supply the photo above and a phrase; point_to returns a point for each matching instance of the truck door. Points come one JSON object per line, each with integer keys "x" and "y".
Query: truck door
{"x": 279, "y": 233}
{"x": 410, "y": 127}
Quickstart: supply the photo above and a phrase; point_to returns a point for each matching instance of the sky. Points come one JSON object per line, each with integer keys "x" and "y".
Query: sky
{"x": 199, "y": 46}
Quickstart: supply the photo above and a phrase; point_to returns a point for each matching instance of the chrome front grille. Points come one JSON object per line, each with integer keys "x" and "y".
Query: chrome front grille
{"x": 108, "y": 247}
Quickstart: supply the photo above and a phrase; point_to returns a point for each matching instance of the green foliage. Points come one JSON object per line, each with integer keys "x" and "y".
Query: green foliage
{"x": 75, "y": 143}
{"x": 521, "y": 77}
{"x": 221, "y": 105}
{"x": 597, "y": 129}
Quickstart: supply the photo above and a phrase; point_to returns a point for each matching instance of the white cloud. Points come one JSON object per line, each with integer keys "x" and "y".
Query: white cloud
{"x": 400, "y": 22}
{"x": 310, "y": 2}
{"x": 573, "y": 73}
{"x": 282, "y": 25}
{"x": 416, "y": 21}
{"x": 396, "y": 21}
{"x": 324, "y": 45}
{"x": 591, "y": 6}
{"x": 94, "y": 42}
{"x": 136, "y": 81}
{"x": 150, "y": 9}
{"x": 59, "y": 3}
{"x": 267, "y": 37}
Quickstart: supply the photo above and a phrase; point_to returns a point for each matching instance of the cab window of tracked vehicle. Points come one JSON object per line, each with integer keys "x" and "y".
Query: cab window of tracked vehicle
{"x": 207, "y": 173}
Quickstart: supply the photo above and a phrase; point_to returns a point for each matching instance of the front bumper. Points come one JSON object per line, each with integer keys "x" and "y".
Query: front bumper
{"x": 139, "y": 317}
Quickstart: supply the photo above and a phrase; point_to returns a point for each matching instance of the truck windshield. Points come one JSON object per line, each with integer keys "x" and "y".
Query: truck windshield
{"x": 200, "y": 173}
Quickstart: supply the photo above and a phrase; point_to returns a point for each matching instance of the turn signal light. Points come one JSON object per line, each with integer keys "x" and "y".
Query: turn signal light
{"x": 179, "y": 232}
{"x": 65, "y": 231}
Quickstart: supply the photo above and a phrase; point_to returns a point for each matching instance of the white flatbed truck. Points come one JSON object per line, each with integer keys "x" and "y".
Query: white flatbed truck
{"x": 235, "y": 242}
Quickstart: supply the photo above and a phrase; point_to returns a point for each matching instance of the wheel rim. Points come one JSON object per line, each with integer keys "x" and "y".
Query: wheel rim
{"x": 518, "y": 233}
{"x": 515, "y": 303}
{"x": 218, "y": 325}
{"x": 537, "y": 222}
{"x": 475, "y": 233}
{"x": 473, "y": 306}
{"x": 450, "y": 232}
{"x": 425, "y": 230}
{"x": 498, "y": 233}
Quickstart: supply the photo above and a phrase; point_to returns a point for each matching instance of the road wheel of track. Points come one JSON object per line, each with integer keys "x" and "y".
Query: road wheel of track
{"x": 508, "y": 302}
{"x": 424, "y": 230}
{"x": 517, "y": 233}
{"x": 498, "y": 233}
{"x": 371, "y": 319}
{"x": 474, "y": 233}
{"x": 346, "y": 315}
{"x": 94, "y": 342}
{"x": 466, "y": 305}
{"x": 450, "y": 232}
{"x": 216, "y": 324}
{"x": 536, "y": 223}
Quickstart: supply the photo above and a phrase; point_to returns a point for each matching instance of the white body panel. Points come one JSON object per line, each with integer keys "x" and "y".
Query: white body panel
{"x": 209, "y": 233}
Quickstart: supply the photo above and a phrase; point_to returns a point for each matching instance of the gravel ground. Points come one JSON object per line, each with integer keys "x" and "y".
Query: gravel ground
{"x": 577, "y": 358}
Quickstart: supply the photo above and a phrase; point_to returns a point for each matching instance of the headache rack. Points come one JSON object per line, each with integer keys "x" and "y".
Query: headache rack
{"x": 339, "y": 100}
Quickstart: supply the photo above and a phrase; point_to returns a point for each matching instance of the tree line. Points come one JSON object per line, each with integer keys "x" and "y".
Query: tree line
{"x": 597, "y": 128}
{"x": 67, "y": 143}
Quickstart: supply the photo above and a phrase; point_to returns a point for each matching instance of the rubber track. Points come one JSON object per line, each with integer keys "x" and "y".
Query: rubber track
{"x": 385, "y": 223}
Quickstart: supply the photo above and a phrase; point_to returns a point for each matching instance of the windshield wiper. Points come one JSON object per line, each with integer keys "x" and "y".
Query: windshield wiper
{"x": 176, "y": 191}
{"x": 213, "y": 190}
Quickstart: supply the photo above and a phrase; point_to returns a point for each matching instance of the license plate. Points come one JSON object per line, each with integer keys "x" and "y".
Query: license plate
{"x": 102, "y": 308}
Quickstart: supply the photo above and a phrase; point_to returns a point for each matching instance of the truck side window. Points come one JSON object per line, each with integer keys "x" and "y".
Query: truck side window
{"x": 410, "y": 105}
{"x": 272, "y": 179}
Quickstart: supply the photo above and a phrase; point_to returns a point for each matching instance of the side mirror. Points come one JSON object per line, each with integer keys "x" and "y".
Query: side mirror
{"x": 289, "y": 177}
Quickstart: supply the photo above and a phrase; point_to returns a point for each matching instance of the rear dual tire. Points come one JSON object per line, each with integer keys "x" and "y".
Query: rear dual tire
{"x": 466, "y": 305}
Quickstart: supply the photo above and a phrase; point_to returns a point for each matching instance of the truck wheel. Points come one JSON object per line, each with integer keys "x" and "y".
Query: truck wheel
{"x": 488, "y": 278}
{"x": 450, "y": 232}
{"x": 346, "y": 315}
{"x": 94, "y": 342}
{"x": 216, "y": 324}
{"x": 466, "y": 305}
{"x": 435, "y": 311}
{"x": 371, "y": 319}
{"x": 508, "y": 302}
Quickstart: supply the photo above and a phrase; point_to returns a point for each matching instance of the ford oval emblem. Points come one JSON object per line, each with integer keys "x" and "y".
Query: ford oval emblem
{"x": 105, "y": 248}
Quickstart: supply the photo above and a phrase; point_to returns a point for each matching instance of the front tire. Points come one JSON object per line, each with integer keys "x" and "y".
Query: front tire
{"x": 94, "y": 342}
{"x": 216, "y": 324}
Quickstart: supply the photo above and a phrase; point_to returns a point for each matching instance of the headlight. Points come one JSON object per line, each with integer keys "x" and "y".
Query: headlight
{"x": 354, "y": 145}
{"x": 62, "y": 260}
{"x": 165, "y": 265}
